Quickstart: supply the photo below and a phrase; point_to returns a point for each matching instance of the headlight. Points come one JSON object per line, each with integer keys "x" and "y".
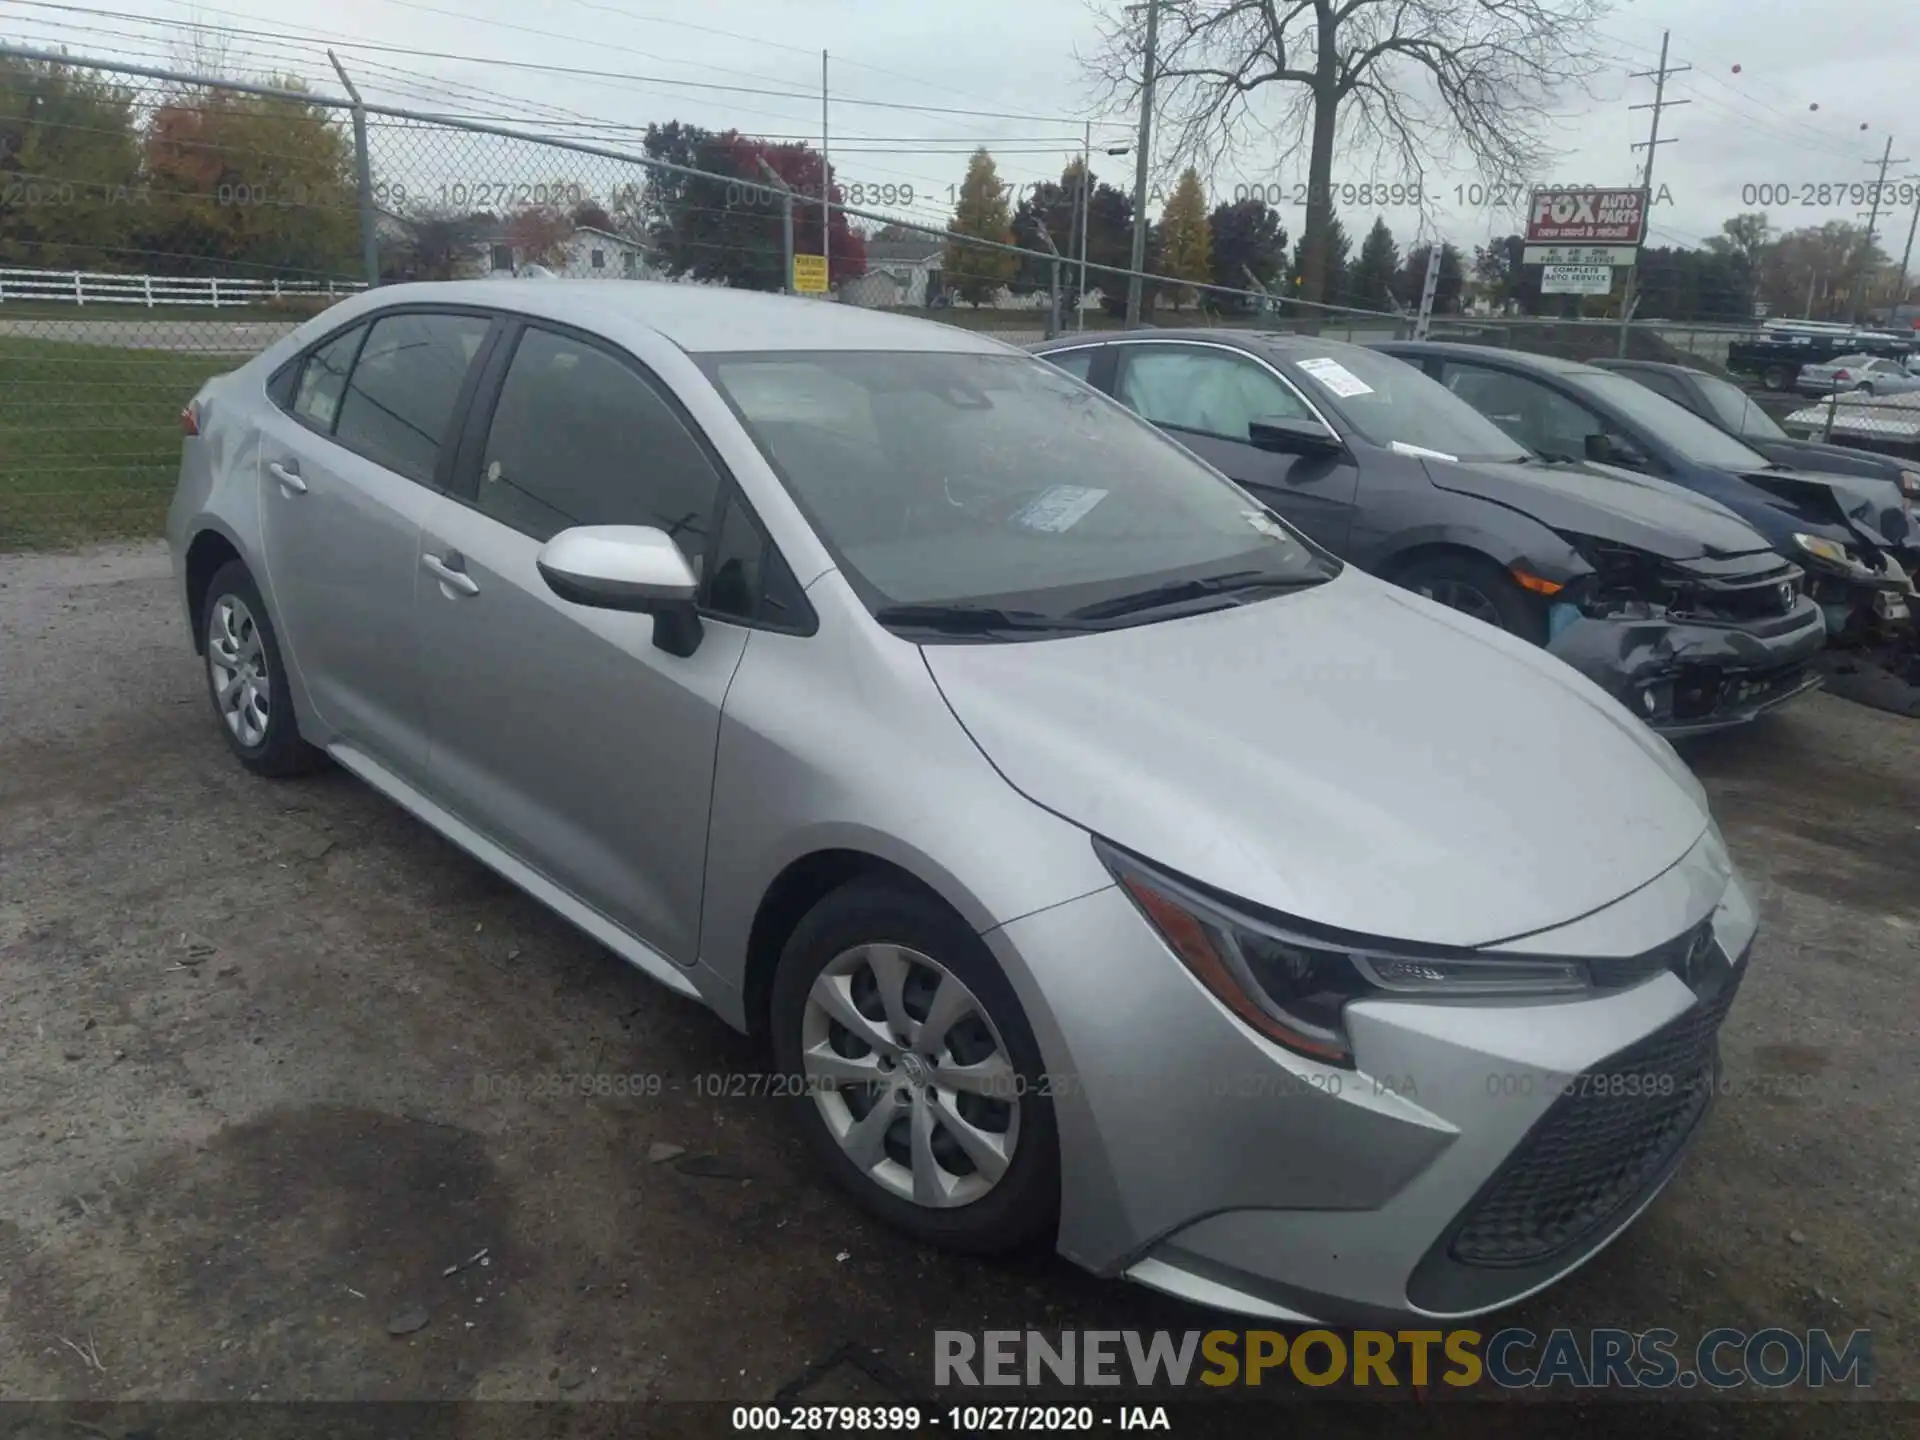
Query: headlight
{"x": 1293, "y": 987}
{"x": 1821, "y": 548}
{"x": 1910, "y": 483}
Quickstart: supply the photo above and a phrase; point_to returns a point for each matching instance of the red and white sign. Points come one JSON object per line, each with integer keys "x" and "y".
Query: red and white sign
{"x": 1587, "y": 216}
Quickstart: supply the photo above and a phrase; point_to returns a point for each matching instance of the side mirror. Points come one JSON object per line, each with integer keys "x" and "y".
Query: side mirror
{"x": 1604, "y": 449}
{"x": 635, "y": 568}
{"x": 1293, "y": 437}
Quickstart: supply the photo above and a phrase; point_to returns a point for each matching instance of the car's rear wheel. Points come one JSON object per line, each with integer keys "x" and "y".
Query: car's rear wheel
{"x": 246, "y": 680}
{"x": 915, "y": 1074}
{"x": 1774, "y": 377}
{"x": 1478, "y": 588}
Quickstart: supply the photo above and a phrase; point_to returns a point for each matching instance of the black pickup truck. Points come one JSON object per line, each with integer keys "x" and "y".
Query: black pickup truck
{"x": 1775, "y": 354}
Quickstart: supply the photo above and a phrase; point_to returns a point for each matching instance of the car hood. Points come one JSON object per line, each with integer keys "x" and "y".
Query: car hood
{"x": 1608, "y": 504}
{"x": 1352, "y": 755}
{"x": 1853, "y": 501}
{"x": 1873, "y": 479}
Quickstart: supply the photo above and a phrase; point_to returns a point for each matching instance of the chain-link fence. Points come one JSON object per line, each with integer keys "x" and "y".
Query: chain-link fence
{"x": 157, "y": 228}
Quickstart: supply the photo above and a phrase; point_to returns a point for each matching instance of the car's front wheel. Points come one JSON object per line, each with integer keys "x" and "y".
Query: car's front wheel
{"x": 914, "y": 1072}
{"x": 1478, "y": 588}
{"x": 247, "y": 681}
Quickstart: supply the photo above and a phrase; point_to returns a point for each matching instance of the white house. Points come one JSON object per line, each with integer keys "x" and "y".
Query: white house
{"x": 899, "y": 273}
{"x": 586, "y": 254}
{"x": 601, "y": 255}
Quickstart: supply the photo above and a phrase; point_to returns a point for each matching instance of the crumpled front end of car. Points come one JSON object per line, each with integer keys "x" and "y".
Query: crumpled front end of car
{"x": 1694, "y": 645}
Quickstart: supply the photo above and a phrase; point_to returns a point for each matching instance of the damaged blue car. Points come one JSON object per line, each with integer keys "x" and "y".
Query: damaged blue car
{"x": 1666, "y": 599}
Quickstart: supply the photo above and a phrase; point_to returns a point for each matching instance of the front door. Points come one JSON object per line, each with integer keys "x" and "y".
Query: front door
{"x": 1206, "y": 396}
{"x": 559, "y": 730}
{"x": 347, "y": 475}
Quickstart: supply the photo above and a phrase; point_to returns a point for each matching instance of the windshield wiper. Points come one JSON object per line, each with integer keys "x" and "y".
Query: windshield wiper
{"x": 1176, "y": 592}
{"x": 964, "y": 619}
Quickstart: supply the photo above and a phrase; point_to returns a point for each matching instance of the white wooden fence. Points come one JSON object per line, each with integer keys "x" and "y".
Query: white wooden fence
{"x": 89, "y": 287}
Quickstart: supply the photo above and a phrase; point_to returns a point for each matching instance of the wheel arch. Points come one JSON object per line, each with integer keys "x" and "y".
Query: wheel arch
{"x": 210, "y": 549}
{"x": 802, "y": 884}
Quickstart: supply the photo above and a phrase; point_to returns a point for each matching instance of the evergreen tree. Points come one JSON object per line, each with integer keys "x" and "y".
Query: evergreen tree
{"x": 1186, "y": 247}
{"x": 973, "y": 272}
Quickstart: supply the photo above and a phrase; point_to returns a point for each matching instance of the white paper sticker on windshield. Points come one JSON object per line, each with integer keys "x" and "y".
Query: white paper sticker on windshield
{"x": 1059, "y": 507}
{"x": 1336, "y": 377}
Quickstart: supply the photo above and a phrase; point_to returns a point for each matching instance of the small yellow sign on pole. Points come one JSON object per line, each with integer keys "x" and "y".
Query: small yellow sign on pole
{"x": 810, "y": 274}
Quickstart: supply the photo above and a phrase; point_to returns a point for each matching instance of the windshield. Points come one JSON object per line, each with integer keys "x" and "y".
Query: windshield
{"x": 1675, "y": 426}
{"x": 1735, "y": 410}
{"x": 1389, "y": 401}
{"x": 995, "y": 481}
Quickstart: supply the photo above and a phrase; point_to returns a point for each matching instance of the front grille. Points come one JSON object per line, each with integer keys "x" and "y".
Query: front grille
{"x": 1603, "y": 1144}
{"x": 1766, "y": 600}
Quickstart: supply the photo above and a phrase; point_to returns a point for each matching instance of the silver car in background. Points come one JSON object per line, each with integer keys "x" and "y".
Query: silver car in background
{"x": 1857, "y": 374}
{"x": 1109, "y": 866}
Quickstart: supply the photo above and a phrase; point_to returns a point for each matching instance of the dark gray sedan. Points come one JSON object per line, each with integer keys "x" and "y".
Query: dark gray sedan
{"x": 1665, "y": 598}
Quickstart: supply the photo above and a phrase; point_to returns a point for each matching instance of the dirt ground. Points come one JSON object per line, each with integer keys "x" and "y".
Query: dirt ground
{"x": 267, "y": 1054}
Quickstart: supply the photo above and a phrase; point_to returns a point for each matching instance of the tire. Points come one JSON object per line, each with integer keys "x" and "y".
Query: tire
{"x": 246, "y": 681}
{"x": 840, "y": 949}
{"x": 1479, "y": 588}
{"x": 1774, "y": 377}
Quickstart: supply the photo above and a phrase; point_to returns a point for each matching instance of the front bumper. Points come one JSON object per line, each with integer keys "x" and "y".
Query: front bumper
{"x": 1202, "y": 1160}
{"x": 1687, "y": 677}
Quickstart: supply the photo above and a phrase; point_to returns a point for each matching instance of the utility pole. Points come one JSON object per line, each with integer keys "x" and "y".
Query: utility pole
{"x": 1085, "y": 200}
{"x": 1861, "y": 283}
{"x": 1629, "y": 298}
{"x": 1141, "y": 162}
{"x": 826, "y": 181}
{"x": 1906, "y": 257}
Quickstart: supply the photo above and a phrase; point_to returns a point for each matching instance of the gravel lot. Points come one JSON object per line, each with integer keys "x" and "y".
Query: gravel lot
{"x": 258, "y": 1044}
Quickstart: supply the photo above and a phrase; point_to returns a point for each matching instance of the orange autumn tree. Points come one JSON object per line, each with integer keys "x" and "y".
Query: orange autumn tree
{"x": 250, "y": 185}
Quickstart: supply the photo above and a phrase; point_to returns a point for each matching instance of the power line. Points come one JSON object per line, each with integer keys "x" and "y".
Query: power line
{"x": 582, "y": 72}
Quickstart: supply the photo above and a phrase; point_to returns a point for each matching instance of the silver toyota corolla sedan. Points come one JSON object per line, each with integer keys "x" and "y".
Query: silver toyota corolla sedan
{"x": 1106, "y": 865}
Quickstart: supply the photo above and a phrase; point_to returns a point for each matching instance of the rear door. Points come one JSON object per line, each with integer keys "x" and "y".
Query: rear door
{"x": 1206, "y": 396}
{"x": 559, "y": 730}
{"x": 349, "y": 470}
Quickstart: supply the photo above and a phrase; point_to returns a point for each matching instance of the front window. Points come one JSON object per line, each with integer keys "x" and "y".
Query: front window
{"x": 1204, "y": 389}
{"x": 1682, "y": 431}
{"x": 996, "y": 481}
{"x": 1390, "y": 402}
{"x": 1735, "y": 410}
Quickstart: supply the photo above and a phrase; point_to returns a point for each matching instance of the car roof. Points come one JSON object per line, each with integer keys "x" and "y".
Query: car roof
{"x": 1286, "y": 344}
{"x": 697, "y": 318}
{"x": 1664, "y": 366}
{"x": 1513, "y": 359}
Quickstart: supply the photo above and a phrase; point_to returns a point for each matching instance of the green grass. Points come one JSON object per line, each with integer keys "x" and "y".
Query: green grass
{"x": 90, "y": 439}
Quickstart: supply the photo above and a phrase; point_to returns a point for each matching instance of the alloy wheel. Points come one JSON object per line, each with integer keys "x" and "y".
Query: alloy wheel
{"x": 911, "y": 1076}
{"x": 237, "y": 661}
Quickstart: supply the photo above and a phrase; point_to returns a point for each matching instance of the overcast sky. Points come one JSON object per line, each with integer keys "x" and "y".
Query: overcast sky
{"x": 1856, "y": 60}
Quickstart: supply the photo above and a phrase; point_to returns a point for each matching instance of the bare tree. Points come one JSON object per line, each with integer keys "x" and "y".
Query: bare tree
{"x": 1409, "y": 82}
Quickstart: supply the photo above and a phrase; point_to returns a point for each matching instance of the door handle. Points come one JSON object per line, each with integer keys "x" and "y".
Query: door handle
{"x": 456, "y": 582}
{"x": 290, "y": 480}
